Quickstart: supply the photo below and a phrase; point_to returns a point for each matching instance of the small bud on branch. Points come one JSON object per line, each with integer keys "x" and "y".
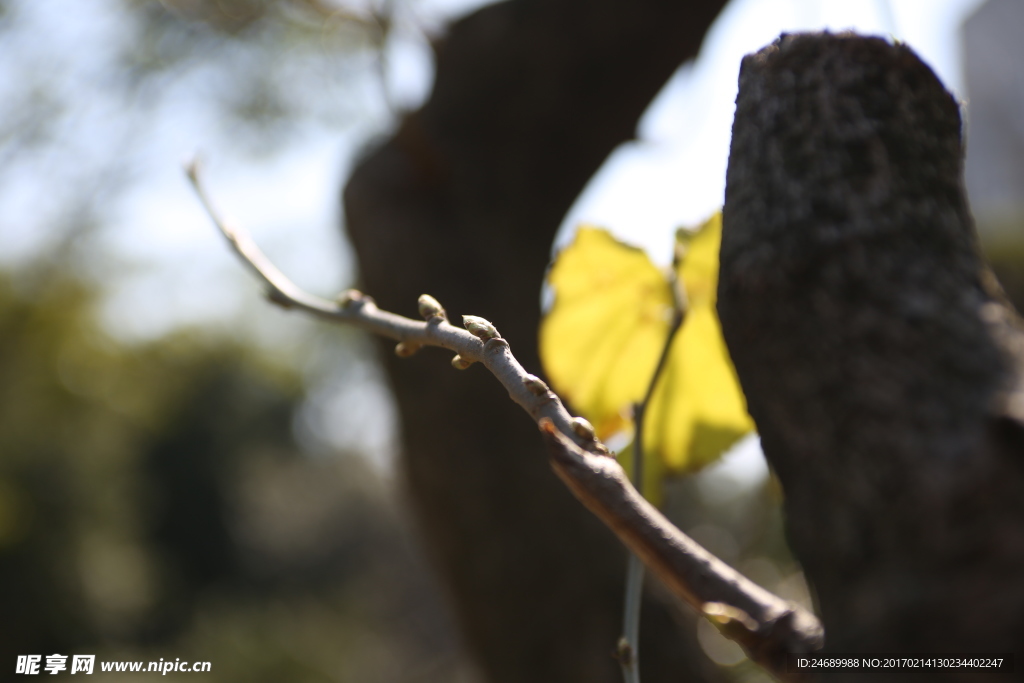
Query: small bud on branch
{"x": 598, "y": 482}
{"x": 479, "y": 327}
{"x": 406, "y": 349}
{"x": 535, "y": 385}
{"x": 349, "y": 297}
{"x": 431, "y": 308}
{"x": 583, "y": 429}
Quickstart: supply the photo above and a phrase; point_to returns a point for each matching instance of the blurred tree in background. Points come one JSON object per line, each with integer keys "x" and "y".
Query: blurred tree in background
{"x": 169, "y": 498}
{"x": 995, "y": 137}
{"x": 154, "y": 502}
{"x": 164, "y": 498}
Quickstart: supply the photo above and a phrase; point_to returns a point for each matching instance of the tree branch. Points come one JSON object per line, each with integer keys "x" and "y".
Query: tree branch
{"x": 529, "y": 100}
{"x": 528, "y": 391}
{"x": 767, "y": 626}
{"x": 764, "y": 624}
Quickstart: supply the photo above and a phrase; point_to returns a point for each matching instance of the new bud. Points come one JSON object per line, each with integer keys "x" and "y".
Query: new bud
{"x": 482, "y": 329}
{"x": 624, "y": 651}
{"x": 535, "y": 385}
{"x": 349, "y": 297}
{"x": 583, "y": 429}
{"x": 725, "y": 614}
{"x": 431, "y": 307}
{"x": 460, "y": 363}
{"x": 406, "y": 349}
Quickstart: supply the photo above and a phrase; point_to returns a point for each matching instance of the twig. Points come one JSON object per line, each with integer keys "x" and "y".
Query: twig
{"x": 354, "y": 307}
{"x": 767, "y": 626}
{"x": 629, "y": 643}
{"x": 764, "y": 624}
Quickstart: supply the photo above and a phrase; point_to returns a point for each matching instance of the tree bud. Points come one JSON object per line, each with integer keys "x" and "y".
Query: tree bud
{"x": 430, "y": 307}
{"x": 583, "y": 428}
{"x": 481, "y": 328}
{"x": 535, "y": 385}
{"x": 348, "y": 297}
{"x": 406, "y": 349}
{"x": 460, "y": 363}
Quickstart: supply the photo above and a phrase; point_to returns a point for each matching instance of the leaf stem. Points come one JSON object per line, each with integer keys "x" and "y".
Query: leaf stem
{"x": 629, "y": 643}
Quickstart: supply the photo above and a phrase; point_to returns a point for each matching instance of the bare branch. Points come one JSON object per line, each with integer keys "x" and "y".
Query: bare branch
{"x": 764, "y": 624}
{"x": 354, "y": 307}
{"x": 767, "y": 626}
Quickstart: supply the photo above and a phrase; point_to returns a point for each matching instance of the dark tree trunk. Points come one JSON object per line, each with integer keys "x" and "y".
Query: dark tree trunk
{"x": 879, "y": 361}
{"x": 463, "y": 203}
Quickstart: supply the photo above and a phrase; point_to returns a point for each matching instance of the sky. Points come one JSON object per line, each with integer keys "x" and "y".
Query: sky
{"x": 164, "y": 267}
{"x": 158, "y": 242}
{"x": 674, "y": 174}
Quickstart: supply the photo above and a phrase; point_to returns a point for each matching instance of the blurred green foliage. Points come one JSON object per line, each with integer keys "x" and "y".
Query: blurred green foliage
{"x": 270, "y": 58}
{"x": 154, "y": 503}
{"x": 102, "y": 95}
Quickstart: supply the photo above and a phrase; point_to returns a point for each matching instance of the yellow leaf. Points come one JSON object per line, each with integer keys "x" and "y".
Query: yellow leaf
{"x": 602, "y": 338}
{"x": 698, "y": 409}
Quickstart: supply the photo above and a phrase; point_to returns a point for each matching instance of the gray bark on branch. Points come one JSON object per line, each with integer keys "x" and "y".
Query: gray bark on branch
{"x": 767, "y": 626}
{"x": 764, "y": 624}
{"x": 881, "y": 364}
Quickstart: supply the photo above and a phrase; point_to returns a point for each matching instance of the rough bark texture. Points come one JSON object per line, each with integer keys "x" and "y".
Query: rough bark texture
{"x": 883, "y": 371}
{"x": 463, "y": 203}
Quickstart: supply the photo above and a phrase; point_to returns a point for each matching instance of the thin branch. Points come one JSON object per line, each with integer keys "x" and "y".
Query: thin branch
{"x": 767, "y": 626}
{"x": 764, "y": 624}
{"x": 629, "y": 643}
{"x": 529, "y": 391}
{"x": 679, "y": 306}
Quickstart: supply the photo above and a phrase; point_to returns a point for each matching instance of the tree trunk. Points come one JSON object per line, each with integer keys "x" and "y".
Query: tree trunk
{"x": 879, "y": 361}
{"x": 463, "y": 203}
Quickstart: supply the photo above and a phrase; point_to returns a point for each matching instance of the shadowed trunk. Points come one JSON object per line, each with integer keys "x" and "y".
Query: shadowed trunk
{"x": 463, "y": 203}
{"x": 881, "y": 366}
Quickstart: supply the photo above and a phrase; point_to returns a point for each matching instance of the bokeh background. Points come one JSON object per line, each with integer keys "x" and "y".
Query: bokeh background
{"x": 188, "y": 472}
